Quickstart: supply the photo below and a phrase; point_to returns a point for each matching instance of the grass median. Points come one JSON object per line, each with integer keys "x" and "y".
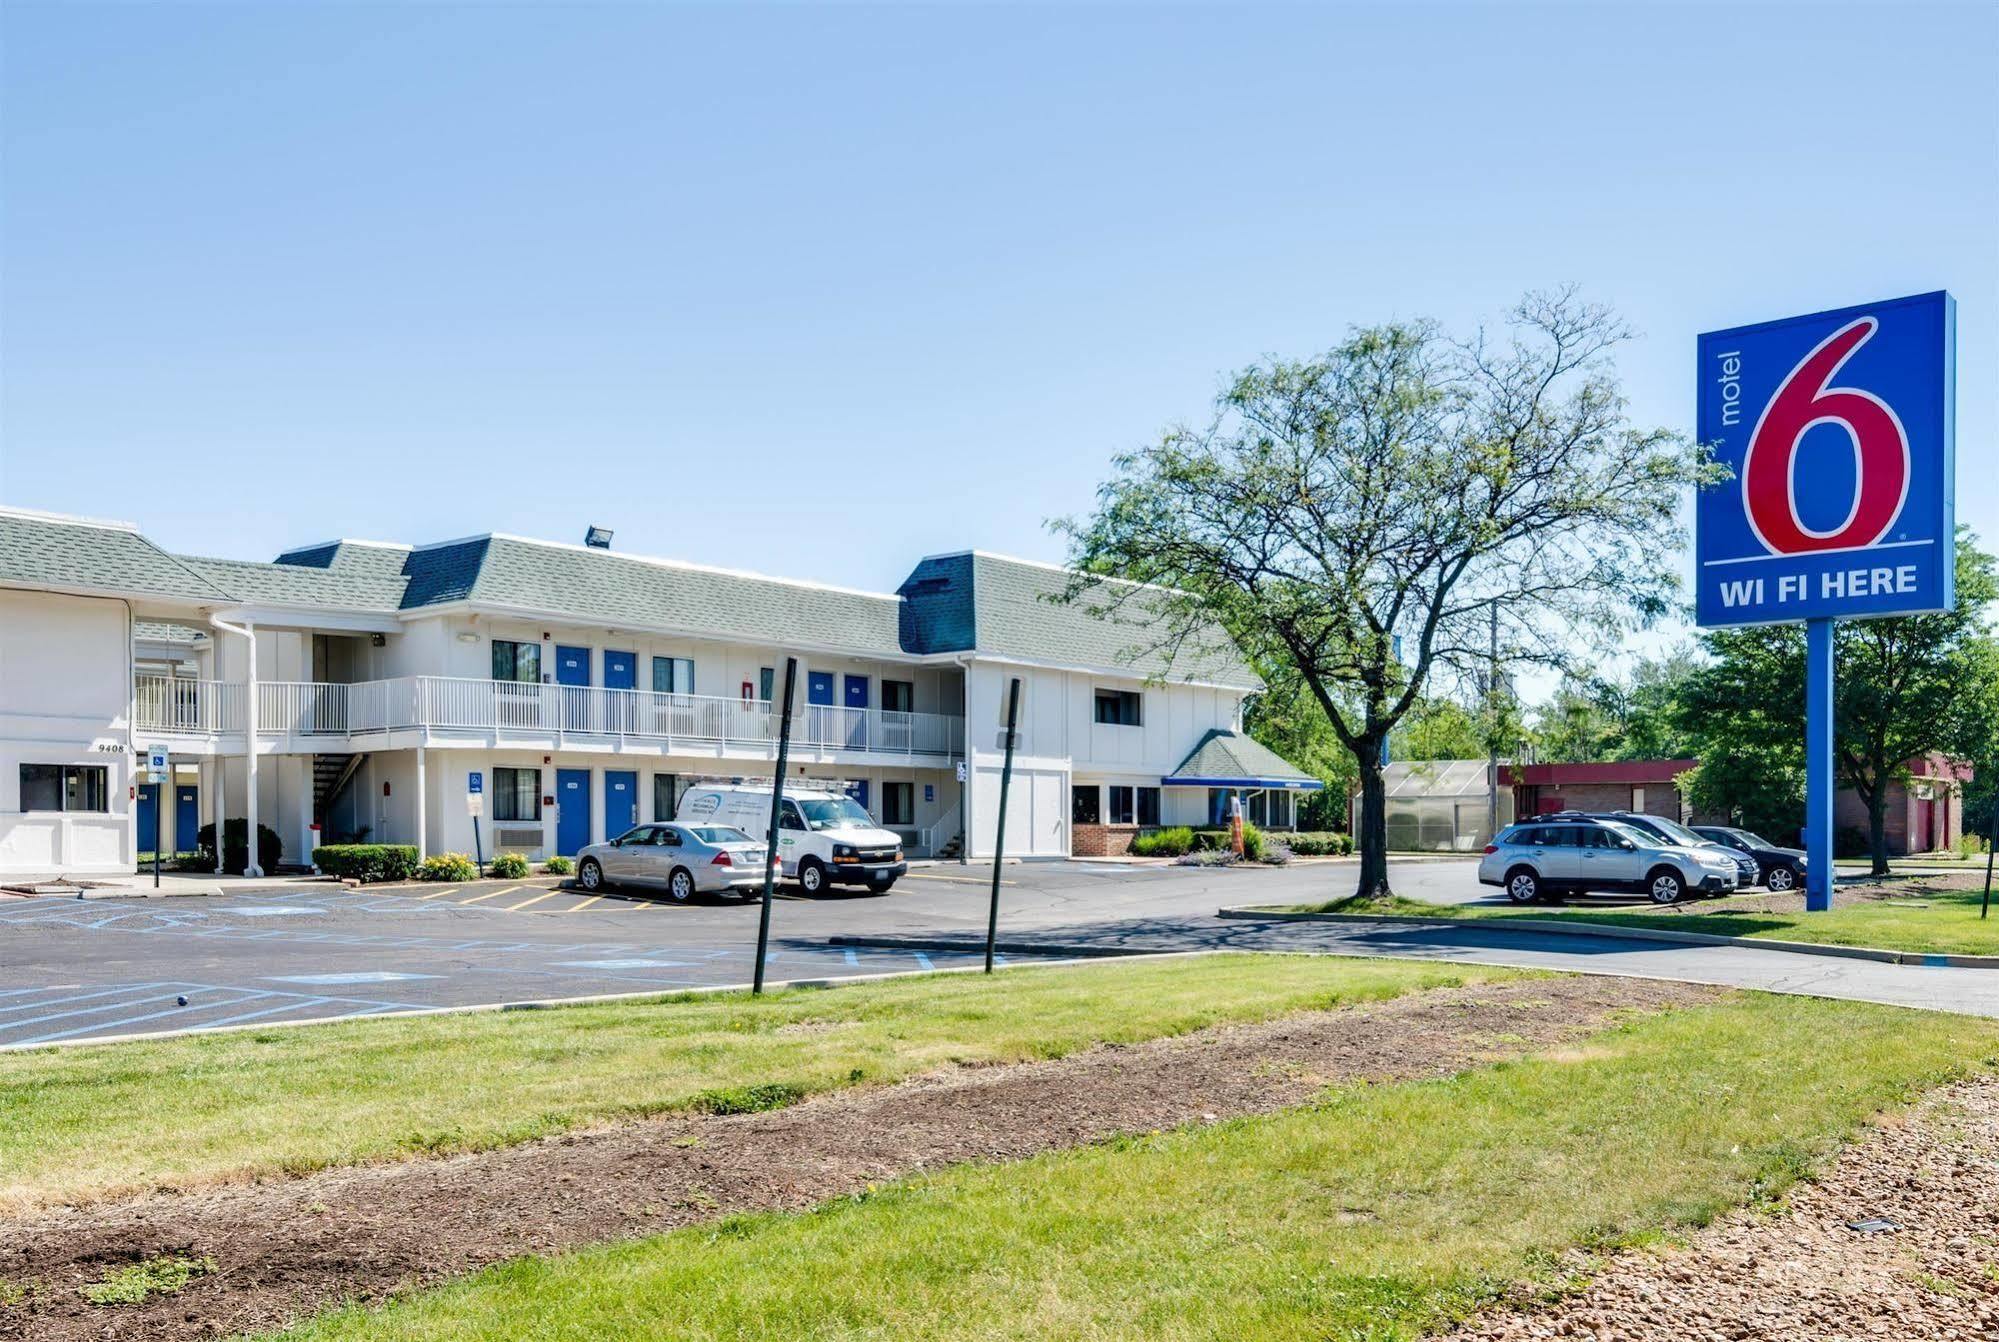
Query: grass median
{"x": 1924, "y": 916}
{"x": 1383, "y": 1212}
{"x": 78, "y": 1124}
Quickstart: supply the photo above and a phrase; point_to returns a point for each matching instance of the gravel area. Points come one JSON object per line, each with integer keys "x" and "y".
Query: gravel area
{"x": 278, "y": 1251}
{"x": 1804, "y": 1273}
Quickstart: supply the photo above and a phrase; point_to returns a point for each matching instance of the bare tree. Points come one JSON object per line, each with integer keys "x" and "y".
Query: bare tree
{"x": 1358, "y": 517}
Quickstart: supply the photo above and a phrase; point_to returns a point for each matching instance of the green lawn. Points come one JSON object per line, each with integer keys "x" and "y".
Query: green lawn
{"x": 1923, "y": 919}
{"x": 91, "y": 1122}
{"x": 1382, "y": 1213}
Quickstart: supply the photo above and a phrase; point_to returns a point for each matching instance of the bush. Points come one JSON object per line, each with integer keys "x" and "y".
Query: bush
{"x": 1970, "y": 845}
{"x": 1163, "y": 842}
{"x": 1275, "y": 854}
{"x": 558, "y": 866}
{"x": 508, "y": 866}
{"x": 1206, "y": 857}
{"x": 1328, "y": 844}
{"x": 236, "y": 845}
{"x": 1849, "y": 841}
{"x": 448, "y": 867}
{"x": 367, "y": 861}
{"x": 1252, "y": 842}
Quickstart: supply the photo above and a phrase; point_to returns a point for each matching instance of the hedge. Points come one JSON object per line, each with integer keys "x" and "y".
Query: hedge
{"x": 367, "y": 861}
{"x": 236, "y": 845}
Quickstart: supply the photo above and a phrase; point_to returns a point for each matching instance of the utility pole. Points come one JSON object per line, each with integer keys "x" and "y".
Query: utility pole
{"x": 1492, "y": 733}
{"x": 776, "y": 822}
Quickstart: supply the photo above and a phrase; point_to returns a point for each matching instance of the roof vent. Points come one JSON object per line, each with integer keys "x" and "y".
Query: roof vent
{"x": 598, "y": 538}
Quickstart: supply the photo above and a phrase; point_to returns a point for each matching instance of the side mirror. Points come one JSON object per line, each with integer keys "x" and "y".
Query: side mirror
{"x": 1627, "y": 845}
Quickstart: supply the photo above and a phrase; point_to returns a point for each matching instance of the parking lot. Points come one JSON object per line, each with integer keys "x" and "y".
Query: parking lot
{"x": 101, "y": 968}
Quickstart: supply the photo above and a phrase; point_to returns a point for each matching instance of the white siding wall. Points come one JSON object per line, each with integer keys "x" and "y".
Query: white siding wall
{"x": 1063, "y": 744}
{"x": 65, "y": 696}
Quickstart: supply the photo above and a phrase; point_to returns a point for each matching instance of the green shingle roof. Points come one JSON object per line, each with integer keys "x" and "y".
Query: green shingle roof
{"x": 299, "y": 585}
{"x": 1013, "y": 608}
{"x": 39, "y": 550}
{"x": 616, "y": 589}
{"x": 1228, "y": 758}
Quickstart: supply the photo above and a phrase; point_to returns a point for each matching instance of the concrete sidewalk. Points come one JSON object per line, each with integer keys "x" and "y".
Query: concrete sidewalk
{"x": 140, "y": 886}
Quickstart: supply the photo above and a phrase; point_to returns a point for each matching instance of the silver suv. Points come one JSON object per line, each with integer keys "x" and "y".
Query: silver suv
{"x": 1546, "y": 859}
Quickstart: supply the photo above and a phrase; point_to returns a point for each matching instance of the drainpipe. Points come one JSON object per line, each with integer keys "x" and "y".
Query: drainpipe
{"x": 249, "y": 633}
{"x": 965, "y": 753}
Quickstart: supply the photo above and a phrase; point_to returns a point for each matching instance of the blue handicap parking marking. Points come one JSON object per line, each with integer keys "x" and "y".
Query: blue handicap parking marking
{"x": 71, "y": 1012}
{"x": 620, "y": 964}
{"x": 271, "y": 910}
{"x": 356, "y": 976}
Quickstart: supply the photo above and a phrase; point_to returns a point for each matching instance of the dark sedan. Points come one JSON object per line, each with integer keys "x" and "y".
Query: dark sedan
{"x": 1783, "y": 868}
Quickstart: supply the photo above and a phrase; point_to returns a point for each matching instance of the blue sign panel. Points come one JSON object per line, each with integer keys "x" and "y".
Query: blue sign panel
{"x": 1838, "y": 429}
{"x": 475, "y": 782}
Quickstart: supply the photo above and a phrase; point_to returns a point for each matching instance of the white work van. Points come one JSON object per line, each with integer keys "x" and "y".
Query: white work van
{"x": 823, "y": 837}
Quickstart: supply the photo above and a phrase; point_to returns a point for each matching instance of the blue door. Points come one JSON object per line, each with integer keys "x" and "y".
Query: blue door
{"x": 855, "y": 729}
{"x": 149, "y": 816}
{"x": 857, "y": 691}
{"x": 572, "y": 666}
{"x": 858, "y": 790}
{"x": 819, "y": 688}
{"x": 621, "y": 672}
{"x": 572, "y": 816}
{"x": 621, "y": 801}
{"x": 187, "y": 816}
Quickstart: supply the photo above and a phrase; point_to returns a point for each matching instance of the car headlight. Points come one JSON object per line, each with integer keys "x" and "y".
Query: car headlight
{"x": 844, "y": 852}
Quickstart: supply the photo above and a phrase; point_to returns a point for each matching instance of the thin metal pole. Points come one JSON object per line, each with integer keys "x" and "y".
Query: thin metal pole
{"x": 776, "y": 805}
{"x": 999, "y": 836}
{"x": 1818, "y": 764}
{"x": 1991, "y": 850}
{"x": 1492, "y": 734}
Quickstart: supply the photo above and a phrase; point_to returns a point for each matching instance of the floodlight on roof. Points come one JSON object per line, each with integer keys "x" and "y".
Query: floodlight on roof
{"x": 598, "y": 538}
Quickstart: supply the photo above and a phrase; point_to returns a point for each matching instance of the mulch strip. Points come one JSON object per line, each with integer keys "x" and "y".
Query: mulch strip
{"x": 285, "y": 1249}
{"x": 1898, "y": 1241}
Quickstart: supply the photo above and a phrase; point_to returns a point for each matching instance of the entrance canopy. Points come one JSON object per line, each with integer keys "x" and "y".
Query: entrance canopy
{"x": 1229, "y": 759}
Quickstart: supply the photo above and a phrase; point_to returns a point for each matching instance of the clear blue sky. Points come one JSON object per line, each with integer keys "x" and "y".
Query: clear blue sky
{"x": 817, "y": 291}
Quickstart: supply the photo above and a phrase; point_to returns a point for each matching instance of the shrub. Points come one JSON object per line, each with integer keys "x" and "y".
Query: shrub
{"x": 508, "y": 866}
{"x": 1970, "y": 845}
{"x": 236, "y": 845}
{"x": 1252, "y": 842}
{"x": 367, "y": 861}
{"x": 1207, "y": 857}
{"x": 1163, "y": 842}
{"x": 1275, "y": 854}
{"x": 558, "y": 866}
{"x": 1327, "y": 844}
{"x": 1850, "y": 841}
{"x": 448, "y": 867}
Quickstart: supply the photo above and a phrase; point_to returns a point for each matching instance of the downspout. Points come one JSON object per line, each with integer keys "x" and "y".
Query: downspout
{"x": 250, "y": 867}
{"x": 964, "y": 663}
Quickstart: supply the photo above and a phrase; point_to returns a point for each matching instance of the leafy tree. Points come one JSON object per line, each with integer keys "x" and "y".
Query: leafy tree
{"x": 1285, "y": 718}
{"x": 1904, "y": 688}
{"x": 1594, "y": 718}
{"x": 1360, "y": 516}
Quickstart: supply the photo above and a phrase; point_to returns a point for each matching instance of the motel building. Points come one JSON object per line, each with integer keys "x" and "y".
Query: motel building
{"x": 349, "y": 691}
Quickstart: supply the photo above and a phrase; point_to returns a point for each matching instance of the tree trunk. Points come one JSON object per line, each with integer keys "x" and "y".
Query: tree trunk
{"x": 1372, "y": 840}
{"x": 1877, "y": 826}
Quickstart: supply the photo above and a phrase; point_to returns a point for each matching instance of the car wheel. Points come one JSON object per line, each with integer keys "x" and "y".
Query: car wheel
{"x": 1780, "y": 879}
{"x": 680, "y": 885}
{"x": 1522, "y": 885}
{"x": 590, "y": 875}
{"x": 811, "y": 876}
{"x": 1666, "y": 886}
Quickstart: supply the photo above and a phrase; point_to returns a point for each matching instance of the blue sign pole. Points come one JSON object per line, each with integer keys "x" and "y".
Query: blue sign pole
{"x": 1818, "y": 764}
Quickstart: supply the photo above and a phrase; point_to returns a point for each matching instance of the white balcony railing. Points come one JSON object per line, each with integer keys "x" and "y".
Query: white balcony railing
{"x": 314, "y": 709}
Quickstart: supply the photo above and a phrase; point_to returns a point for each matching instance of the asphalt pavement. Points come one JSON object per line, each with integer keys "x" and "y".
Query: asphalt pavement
{"x": 76, "y": 970}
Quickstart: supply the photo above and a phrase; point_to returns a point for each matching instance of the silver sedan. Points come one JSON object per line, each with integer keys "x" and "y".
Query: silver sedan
{"x": 683, "y": 860}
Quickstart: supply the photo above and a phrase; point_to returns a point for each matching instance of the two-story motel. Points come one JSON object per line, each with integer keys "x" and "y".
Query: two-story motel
{"x": 352, "y": 689}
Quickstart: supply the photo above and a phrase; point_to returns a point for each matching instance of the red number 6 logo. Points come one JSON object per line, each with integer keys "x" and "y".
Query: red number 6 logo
{"x": 1880, "y": 453}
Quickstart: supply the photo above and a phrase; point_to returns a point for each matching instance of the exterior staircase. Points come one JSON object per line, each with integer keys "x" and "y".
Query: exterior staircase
{"x": 951, "y": 848}
{"x": 330, "y": 773}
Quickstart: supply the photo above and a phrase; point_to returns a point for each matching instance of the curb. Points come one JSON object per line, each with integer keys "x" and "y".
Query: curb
{"x": 1619, "y": 931}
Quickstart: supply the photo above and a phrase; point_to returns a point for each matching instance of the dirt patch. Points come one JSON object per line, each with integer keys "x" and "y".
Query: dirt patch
{"x": 281, "y": 1251}
{"x": 1806, "y": 1273}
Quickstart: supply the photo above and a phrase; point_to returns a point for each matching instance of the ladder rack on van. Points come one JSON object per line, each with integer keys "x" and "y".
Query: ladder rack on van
{"x": 833, "y": 786}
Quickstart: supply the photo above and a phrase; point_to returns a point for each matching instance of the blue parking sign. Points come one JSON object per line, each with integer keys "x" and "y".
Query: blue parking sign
{"x": 475, "y": 783}
{"x": 1838, "y": 429}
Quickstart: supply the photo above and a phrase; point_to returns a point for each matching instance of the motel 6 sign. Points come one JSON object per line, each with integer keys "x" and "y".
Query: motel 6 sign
{"x": 1838, "y": 430}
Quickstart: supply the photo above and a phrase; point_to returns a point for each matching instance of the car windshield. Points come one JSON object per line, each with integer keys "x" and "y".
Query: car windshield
{"x": 719, "y": 834}
{"x": 834, "y": 813}
{"x": 1680, "y": 834}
